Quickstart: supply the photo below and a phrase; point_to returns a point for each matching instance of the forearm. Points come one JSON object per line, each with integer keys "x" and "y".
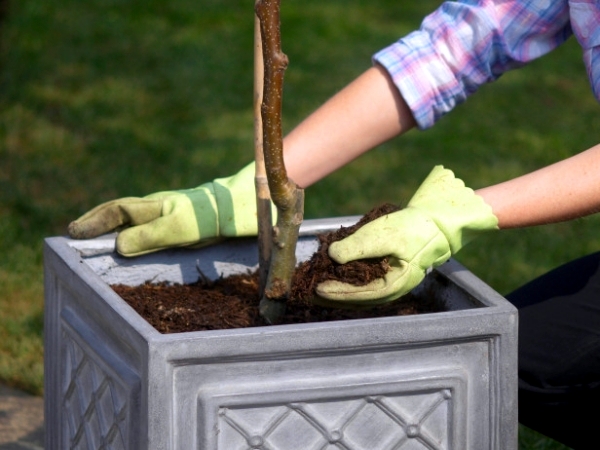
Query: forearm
{"x": 562, "y": 191}
{"x": 366, "y": 113}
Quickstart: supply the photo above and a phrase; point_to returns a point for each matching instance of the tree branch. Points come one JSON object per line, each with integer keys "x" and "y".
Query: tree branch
{"x": 288, "y": 198}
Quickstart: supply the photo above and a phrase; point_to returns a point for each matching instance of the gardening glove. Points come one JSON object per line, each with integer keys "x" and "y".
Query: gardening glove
{"x": 439, "y": 220}
{"x": 225, "y": 207}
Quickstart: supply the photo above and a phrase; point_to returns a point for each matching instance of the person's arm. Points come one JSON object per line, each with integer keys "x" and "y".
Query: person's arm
{"x": 562, "y": 191}
{"x": 444, "y": 215}
{"x": 366, "y": 113}
{"x": 371, "y": 111}
{"x": 422, "y": 77}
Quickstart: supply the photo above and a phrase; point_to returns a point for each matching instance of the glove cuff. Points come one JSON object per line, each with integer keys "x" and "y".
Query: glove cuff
{"x": 459, "y": 213}
{"x": 236, "y": 203}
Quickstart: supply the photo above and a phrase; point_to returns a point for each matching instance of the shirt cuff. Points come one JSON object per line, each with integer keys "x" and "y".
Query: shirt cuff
{"x": 426, "y": 83}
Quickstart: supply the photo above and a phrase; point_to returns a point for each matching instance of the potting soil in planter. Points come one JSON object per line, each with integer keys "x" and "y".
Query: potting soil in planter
{"x": 232, "y": 302}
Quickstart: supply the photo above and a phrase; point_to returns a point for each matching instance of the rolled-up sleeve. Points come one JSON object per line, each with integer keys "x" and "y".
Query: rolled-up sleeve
{"x": 585, "y": 21}
{"x": 465, "y": 44}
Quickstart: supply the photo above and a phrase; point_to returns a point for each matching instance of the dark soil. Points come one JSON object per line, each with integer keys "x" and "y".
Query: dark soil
{"x": 322, "y": 268}
{"x": 232, "y": 302}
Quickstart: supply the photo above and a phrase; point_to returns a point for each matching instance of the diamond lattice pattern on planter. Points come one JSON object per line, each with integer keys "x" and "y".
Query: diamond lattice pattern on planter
{"x": 94, "y": 403}
{"x": 403, "y": 422}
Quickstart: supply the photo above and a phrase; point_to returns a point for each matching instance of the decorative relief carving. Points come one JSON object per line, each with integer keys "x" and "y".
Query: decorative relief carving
{"x": 94, "y": 403}
{"x": 391, "y": 422}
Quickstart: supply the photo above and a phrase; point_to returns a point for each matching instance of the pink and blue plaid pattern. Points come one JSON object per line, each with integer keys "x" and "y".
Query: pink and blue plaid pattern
{"x": 465, "y": 44}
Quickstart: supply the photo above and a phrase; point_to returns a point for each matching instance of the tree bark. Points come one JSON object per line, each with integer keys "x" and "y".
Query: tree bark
{"x": 288, "y": 198}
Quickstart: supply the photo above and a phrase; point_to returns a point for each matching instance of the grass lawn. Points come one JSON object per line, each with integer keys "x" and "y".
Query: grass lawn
{"x": 108, "y": 98}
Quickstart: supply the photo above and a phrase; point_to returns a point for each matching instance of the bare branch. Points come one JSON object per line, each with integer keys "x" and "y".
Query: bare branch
{"x": 288, "y": 198}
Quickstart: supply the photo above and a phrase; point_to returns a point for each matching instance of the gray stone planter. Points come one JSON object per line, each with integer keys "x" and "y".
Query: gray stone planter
{"x": 435, "y": 381}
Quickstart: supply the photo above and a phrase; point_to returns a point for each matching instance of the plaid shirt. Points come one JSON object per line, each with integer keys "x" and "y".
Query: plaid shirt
{"x": 467, "y": 43}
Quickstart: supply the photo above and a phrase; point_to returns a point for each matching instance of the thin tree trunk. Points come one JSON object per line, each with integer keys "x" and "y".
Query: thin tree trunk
{"x": 288, "y": 198}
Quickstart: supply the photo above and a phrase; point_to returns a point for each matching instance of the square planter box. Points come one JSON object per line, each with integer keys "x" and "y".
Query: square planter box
{"x": 444, "y": 380}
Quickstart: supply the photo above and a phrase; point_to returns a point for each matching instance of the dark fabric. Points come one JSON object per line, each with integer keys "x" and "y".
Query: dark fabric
{"x": 559, "y": 353}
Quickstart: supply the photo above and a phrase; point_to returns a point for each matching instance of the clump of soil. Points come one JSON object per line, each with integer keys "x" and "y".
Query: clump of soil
{"x": 322, "y": 268}
{"x": 232, "y": 302}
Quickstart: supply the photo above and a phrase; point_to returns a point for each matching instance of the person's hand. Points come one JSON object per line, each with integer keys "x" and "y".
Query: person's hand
{"x": 439, "y": 220}
{"x": 225, "y": 207}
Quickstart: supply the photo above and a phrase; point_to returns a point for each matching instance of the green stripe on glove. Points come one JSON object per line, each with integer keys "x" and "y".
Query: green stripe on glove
{"x": 439, "y": 220}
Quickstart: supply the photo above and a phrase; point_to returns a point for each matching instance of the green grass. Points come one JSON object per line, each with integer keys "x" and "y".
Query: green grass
{"x": 108, "y": 98}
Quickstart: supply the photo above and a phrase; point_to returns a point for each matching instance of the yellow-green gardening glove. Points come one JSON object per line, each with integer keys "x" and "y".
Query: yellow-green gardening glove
{"x": 439, "y": 220}
{"x": 225, "y": 207}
